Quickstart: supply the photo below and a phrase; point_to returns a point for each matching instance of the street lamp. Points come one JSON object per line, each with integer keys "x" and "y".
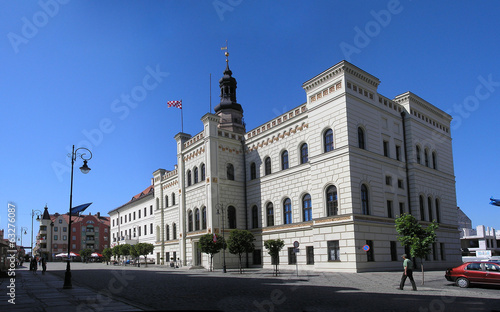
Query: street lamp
{"x": 25, "y": 229}
{"x": 221, "y": 212}
{"x": 38, "y": 214}
{"x": 85, "y": 169}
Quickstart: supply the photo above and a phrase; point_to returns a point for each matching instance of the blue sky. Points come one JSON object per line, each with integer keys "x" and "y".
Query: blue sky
{"x": 98, "y": 74}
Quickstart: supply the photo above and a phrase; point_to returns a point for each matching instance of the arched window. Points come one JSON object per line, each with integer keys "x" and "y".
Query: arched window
{"x": 166, "y": 200}
{"x": 190, "y": 221}
{"x": 284, "y": 160}
{"x": 426, "y": 157}
{"x": 438, "y": 216}
{"x": 230, "y": 172}
{"x": 197, "y": 219}
{"x": 287, "y": 211}
{"x": 306, "y": 207}
{"x": 417, "y": 150}
{"x": 167, "y": 230}
{"x": 429, "y": 208}
{"x": 328, "y": 140}
{"x": 422, "y": 209}
{"x": 231, "y": 216}
{"x": 188, "y": 176}
{"x": 267, "y": 163}
{"x": 203, "y": 175}
{"x": 331, "y": 201}
{"x": 204, "y": 218}
{"x": 434, "y": 160}
{"x": 253, "y": 171}
{"x": 304, "y": 153}
{"x": 361, "y": 138}
{"x": 174, "y": 231}
{"x": 173, "y": 198}
{"x": 195, "y": 173}
{"x": 255, "y": 217}
{"x": 365, "y": 201}
{"x": 270, "y": 214}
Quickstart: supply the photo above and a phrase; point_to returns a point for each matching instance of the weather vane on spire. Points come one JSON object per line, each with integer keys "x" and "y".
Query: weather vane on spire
{"x": 226, "y": 53}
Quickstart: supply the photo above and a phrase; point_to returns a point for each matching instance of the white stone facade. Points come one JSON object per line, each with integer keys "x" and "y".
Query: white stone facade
{"x": 380, "y": 157}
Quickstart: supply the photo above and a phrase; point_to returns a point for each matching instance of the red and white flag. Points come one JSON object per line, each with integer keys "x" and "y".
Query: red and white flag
{"x": 177, "y": 104}
{"x": 215, "y": 238}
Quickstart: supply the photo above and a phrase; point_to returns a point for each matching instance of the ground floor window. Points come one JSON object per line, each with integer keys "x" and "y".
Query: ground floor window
{"x": 292, "y": 256}
{"x": 333, "y": 250}
{"x": 257, "y": 256}
{"x": 394, "y": 251}
{"x": 370, "y": 256}
{"x": 443, "y": 254}
{"x": 309, "y": 255}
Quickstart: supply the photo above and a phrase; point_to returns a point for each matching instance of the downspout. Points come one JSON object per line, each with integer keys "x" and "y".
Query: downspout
{"x": 403, "y": 115}
{"x": 245, "y": 191}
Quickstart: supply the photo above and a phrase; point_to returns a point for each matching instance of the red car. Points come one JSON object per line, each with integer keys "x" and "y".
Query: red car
{"x": 477, "y": 272}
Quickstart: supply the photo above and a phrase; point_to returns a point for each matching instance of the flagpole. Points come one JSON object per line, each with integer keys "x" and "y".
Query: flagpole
{"x": 210, "y": 93}
{"x": 182, "y": 120}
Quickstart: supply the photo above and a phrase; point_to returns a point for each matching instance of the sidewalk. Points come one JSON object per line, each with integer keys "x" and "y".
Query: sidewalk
{"x": 45, "y": 293}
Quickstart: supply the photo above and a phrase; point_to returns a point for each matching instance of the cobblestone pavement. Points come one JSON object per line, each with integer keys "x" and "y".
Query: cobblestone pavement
{"x": 168, "y": 289}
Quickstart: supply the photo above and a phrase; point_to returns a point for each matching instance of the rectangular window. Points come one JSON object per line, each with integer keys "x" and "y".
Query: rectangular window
{"x": 386, "y": 148}
{"x": 134, "y": 215}
{"x": 292, "y": 256}
{"x": 65, "y": 229}
{"x": 167, "y": 256}
{"x": 394, "y": 251}
{"x": 125, "y": 218}
{"x": 398, "y": 152}
{"x": 443, "y": 255}
{"x": 145, "y": 229}
{"x": 60, "y": 220}
{"x": 139, "y": 214}
{"x": 55, "y": 237}
{"x": 65, "y": 237}
{"x": 310, "y": 255}
{"x": 388, "y": 180}
{"x": 401, "y": 184}
{"x": 333, "y": 250}
{"x": 151, "y": 228}
{"x": 113, "y": 222}
{"x": 56, "y": 229}
{"x": 139, "y": 231}
{"x": 151, "y": 210}
{"x": 73, "y": 238}
{"x": 145, "y": 211}
{"x": 370, "y": 254}
{"x": 401, "y": 208}
{"x": 257, "y": 257}
{"x": 129, "y": 217}
{"x": 434, "y": 252}
{"x": 74, "y": 229}
{"x": 389, "y": 209}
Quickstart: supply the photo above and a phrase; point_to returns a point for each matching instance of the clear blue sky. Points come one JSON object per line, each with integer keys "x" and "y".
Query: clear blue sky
{"x": 68, "y": 68}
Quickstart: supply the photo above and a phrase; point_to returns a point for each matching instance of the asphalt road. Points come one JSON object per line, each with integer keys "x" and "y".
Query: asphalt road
{"x": 167, "y": 289}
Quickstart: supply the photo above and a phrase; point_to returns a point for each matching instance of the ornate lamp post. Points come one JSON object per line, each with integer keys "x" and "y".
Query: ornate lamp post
{"x": 38, "y": 214}
{"x": 220, "y": 211}
{"x": 85, "y": 169}
{"x": 25, "y": 229}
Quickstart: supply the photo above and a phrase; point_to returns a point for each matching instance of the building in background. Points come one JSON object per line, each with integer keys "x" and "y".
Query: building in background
{"x": 331, "y": 174}
{"x": 87, "y": 231}
{"x": 480, "y": 243}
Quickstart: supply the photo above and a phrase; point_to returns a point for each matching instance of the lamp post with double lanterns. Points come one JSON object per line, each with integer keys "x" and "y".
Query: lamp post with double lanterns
{"x": 23, "y": 232}
{"x": 84, "y": 169}
{"x": 38, "y": 214}
{"x": 220, "y": 211}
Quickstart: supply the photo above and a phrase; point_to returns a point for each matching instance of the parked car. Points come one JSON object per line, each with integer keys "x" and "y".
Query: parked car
{"x": 476, "y": 272}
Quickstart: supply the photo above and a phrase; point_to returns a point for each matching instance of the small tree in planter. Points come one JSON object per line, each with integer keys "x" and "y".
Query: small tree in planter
{"x": 240, "y": 242}
{"x": 274, "y": 247}
{"x": 211, "y": 244}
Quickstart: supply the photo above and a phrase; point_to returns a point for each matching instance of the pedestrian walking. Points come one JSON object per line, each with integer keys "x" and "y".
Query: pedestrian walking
{"x": 34, "y": 264}
{"x": 44, "y": 265}
{"x": 408, "y": 272}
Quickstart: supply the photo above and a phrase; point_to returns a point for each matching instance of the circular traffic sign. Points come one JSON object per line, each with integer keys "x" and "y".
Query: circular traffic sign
{"x": 366, "y": 247}
{"x": 296, "y": 244}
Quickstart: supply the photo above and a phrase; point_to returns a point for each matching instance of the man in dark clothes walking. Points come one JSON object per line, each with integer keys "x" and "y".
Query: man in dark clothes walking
{"x": 408, "y": 266}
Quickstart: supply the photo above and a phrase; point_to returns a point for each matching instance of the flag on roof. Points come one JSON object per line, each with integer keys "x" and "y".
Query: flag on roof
{"x": 177, "y": 104}
{"x": 77, "y": 209}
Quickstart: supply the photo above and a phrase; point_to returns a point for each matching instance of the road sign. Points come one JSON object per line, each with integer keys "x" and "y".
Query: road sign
{"x": 366, "y": 247}
{"x": 296, "y": 244}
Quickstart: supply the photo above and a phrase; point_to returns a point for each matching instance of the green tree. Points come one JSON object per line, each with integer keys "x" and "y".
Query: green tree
{"x": 125, "y": 250}
{"x": 240, "y": 242}
{"x": 116, "y": 252}
{"x": 85, "y": 254}
{"x": 210, "y": 245}
{"x": 107, "y": 253}
{"x": 143, "y": 249}
{"x": 274, "y": 247}
{"x": 414, "y": 236}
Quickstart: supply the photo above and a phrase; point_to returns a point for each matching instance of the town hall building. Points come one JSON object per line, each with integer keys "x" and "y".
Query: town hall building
{"x": 332, "y": 174}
